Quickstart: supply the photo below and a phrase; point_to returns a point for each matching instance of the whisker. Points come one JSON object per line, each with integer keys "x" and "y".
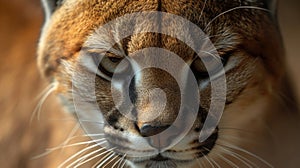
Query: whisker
{"x": 236, "y": 129}
{"x": 90, "y": 154}
{"x": 77, "y": 144}
{"x": 72, "y": 133}
{"x": 218, "y": 166}
{"x": 246, "y": 152}
{"x": 232, "y": 138}
{"x": 165, "y": 164}
{"x": 217, "y": 35}
{"x": 124, "y": 162}
{"x": 104, "y": 158}
{"x": 200, "y": 164}
{"x": 232, "y": 9}
{"x": 122, "y": 159}
{"x": 116, "y": 162}
{"x": 87, "y": 135}
{"x": 206, "y": 158}
{"x": 97, "y": 163}
{"x": 78, "y": 153}
{"x": 37, "y": 110}
{"x": 93, "y": 135}
{"x": 44, "y": 92}
{"x": 213, "y": 161}
{"x": 50, "y": 150}
{"x": 202, "y": 9}
{"x": 82, "y": 160}
{"x": 227, "y": 160}
{"x": 64, "y": 119}
{"x": 107, "y": 159}
{"x": 90, "y": 121}
{"x": 239, "y": 157}
{"x": 216, "y": 57}
{"x": 41, "y": 155}
{"x": 64, "y": 145}
{"x": 116, "y": 156}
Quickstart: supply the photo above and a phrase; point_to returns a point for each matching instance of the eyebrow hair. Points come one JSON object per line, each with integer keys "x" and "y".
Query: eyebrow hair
{"x": 103, "y": 52}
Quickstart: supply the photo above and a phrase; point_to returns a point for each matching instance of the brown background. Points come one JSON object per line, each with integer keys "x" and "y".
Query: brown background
{"x": 289, "y": 20}
{"x": 20, "y": 22}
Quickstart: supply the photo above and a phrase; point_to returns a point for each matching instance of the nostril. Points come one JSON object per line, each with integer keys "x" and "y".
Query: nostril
{"x": 147, "y": 130}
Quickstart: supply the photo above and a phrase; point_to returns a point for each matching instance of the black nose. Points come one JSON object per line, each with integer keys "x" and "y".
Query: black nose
{"x": 151, "y": 132}
{"x": 148, "y": 130}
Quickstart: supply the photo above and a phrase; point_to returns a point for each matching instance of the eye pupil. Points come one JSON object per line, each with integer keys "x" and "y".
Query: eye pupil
{"x": 114, "y": 59}
{"x": 209, "y": 65}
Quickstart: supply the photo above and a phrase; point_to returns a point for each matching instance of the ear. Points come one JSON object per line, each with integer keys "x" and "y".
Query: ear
{"x": 271, "y": 5}
{"x": 50, "y": 6}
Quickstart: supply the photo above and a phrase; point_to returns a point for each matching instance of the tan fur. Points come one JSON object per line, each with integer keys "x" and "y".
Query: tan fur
{"x": 251, "y": 36}
{"x": 21, "y": 84}
{"x": 258, "y": 109}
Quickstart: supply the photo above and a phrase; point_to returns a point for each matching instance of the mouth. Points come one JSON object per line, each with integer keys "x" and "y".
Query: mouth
{"x": 160, "y": 161}
{"x": 159, "y": 158}
{"x": 172, "y": 158}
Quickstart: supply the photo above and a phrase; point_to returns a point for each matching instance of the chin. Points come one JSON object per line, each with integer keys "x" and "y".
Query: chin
{"x": 161, "y": 162}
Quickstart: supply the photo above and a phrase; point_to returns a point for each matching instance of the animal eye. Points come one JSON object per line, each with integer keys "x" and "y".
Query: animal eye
{"x": 111, "y": 64}
{"x": 207, "y": 65}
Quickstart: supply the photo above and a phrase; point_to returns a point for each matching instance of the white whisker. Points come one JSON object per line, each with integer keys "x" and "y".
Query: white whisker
{"x": 87, "y": 135}
{"x": 97, "y": 163}
{"x": 88, "y": 155}
{"x": 210, "y": 163}
{"x": 77, "y": 144}
{"x": 64, "y": 145}
{"x": 111, "y": 154}
{"x": 202, "y": 9}
{"x": 239, "y": 157}
{"x": 227, "y": 161}
{"x": 37, "y": 110}
{"x": 82, "y": 159}
{"x": 199, "y": 163}
{"x": 216, "y": 57}
{"x": 78, "y": 153}
{"x": 93, "y": 135}
{"x": 116, "y": 156}
{"x": 116, "y": 162}
{"x": 64, "y": 119}
{"x": 232, "y": 9}
{"x": 122, "y": 159}
{"x": 217, "y": 35}
{"x": 41, "y": 155}
{"x": 212, "y": 160}
{"x": 90, "y": 121}
{"x": 124, "y": 162}
{"x": 104, "y": 157}
{"x": 247, "y": 152}
{"x": 44, "y": 91}
{"x": 72, "y": 133}
{"x": 50, "y": 150}
{"x": 237, "y": 129}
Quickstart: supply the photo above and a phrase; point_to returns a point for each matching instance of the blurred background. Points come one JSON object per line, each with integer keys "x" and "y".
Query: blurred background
{"x": 20, "y": 83}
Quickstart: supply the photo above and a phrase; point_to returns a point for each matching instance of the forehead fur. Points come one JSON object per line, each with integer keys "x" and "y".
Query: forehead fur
{"x": 73, "y": 22}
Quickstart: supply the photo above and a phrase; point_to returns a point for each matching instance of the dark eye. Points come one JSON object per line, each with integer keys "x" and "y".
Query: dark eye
{"x": 111, "y": 64}
{"x": 207, "y": 65}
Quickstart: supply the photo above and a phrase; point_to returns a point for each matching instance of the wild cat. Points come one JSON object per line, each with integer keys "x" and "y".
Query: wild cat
{"x": 141, "y": 77}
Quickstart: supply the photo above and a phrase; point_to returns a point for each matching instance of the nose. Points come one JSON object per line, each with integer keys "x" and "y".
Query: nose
{"x": 151, "y": 133}
{"x": 148, "y": 130}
